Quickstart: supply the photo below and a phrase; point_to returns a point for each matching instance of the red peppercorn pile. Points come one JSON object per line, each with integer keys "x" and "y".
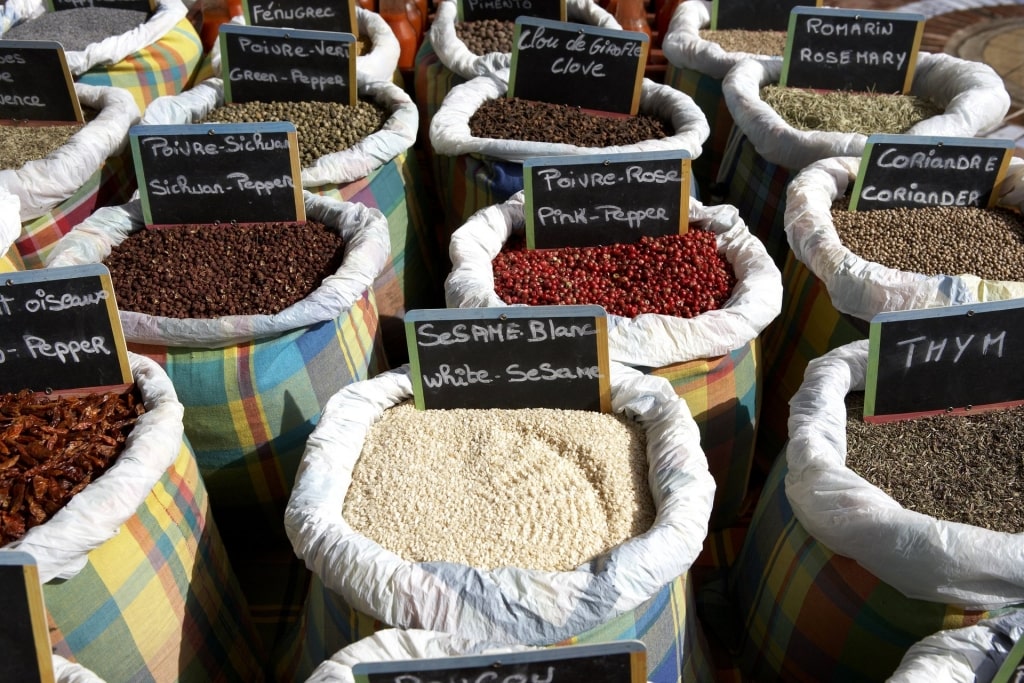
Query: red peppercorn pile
{"x": 677, "y": 275}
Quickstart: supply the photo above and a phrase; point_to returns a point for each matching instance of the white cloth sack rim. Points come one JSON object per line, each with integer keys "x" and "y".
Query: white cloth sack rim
{"x": 684, "y": 48}
{"x": 42, "y": 184}
{"x": 62, "y": 544}
{"x": 10, "y": 219}
{"x": 452, "y": 51}
{"x": 650, "y": 339}
{"x": 923, "y": 557}
{"x": 450, "y": 132}
{"x": 367, "y": 248}
{"x": 72, "y": 672}
{"x": 514, "y": 605}
{"x": 863, "y": 288}
{"x": 395, "y": 137}
{"x": 972, "y": 95}
{"x": 111, "y": 49}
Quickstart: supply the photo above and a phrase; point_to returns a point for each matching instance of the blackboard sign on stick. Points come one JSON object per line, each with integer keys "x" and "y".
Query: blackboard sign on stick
{"x": 24, "y": 640}
{"x": 135, "y": 5}
{"x": 60, "y": 332}
{"x": 218, "y": 172}
{"x": 917, "y": 170}
{"x": 945, "y": 360}
{"x": 287, "y": 65}
{"x": 36, "y": 83}
{"x": 510, "y": 357}
{"x": 622, "y": 661}
{"x": 579, "y": 65}
{"x": 754, "y": 15}
{"x": 314, "y": 15}
{"x": 855, "y": 50}
{"x": 597, "y": 199}
{"x": 510, "y": 10}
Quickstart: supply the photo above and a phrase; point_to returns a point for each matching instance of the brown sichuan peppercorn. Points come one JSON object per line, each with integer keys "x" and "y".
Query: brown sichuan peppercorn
{"x": 677, "y": 275}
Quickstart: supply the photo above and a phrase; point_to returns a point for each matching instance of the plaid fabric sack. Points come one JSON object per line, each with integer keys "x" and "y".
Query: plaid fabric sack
{"x": 831, "y": 293}
{"x": 634, "y": 590}
{"x": 253, "y": 386}
{"x": 93, "y": 169}
{"x": 766, "y": 152}
{"x": 472, "y": 173}
{"x": 711, "y": 360}
{"x": 136, "y": 581}
{"x": 825, "y": 547}
{"x": 696, "y": 67}
{"x": 380, "y": 171}
{"x": 10, "y": 228}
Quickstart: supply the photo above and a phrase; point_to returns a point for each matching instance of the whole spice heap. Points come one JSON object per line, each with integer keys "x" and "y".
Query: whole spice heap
{"x": 936, "y": 240}
{"x": 534, "y": 488}
{"x": 211, "y": 270}
{"x": 959, "y": 468}
{"x": 511, "y": 118}
{"x": 486, "y": 35}
{"x": 21, "y": 143}
{"x": 76, "y": 29}
{"x": 677, "y": 275}
{"x": 51, "y": 448}
{"x": 847, "y": 112}
{"x": 771, "y": 43}
{"x": 321, "y": 128}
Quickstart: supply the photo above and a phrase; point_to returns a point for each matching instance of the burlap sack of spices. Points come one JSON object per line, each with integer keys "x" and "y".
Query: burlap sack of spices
{"x": 697, "y": 67}
{"x": 831, "y": 293}
{"x": 637, "y": 590}
{"x": 766, "y": 152}
{"x": 827, "y": 547}
{"x": 380, "y": 171}
{"x": 157, "y": 57}
{"x": 472, "y": 173}
{"x": 93, "y": 169}
{"x": 10, "y": 229}
{"x": 136, "y": 581}
{"x": 712, "y": 360}
{"x": 253, "y": 386}
{"x": 972, "y": 654}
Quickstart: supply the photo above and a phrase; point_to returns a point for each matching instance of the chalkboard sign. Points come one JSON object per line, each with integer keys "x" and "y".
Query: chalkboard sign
{"x": 916, "y": 171}
{"x": 594, "y": 199}
{"x": 622, "y": 661}
{"x": 338, "y": 16}
{"x": 24, "y": 640}
{"x": 754, "y": 15}
{"x": 136, "y": 5}
{"x": 577, "y": 64}
{"x": 510, "y": 10}
{"x": 287, "y": 65}
{"x": 855, "y": 50}
{"x": 59, "y": 331}
{"x": 945, "y": 360}
{"x": 510, "y": 357}
{"x": 227, "y": 172}
{"x": 36, "y": 83}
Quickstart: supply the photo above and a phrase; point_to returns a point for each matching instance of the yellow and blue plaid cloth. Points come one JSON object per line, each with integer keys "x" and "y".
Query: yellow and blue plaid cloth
{"x": 707, "y": 93}
{"x": 158, "y": 601}
{"x": 164, "y": 68}
{"x": 11, "y": 261}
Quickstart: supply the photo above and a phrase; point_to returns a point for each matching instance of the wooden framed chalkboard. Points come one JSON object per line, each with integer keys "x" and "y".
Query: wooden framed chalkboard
{"x": 510, "y": 10}
{"x": 945, "y": 360}
{"x": 622, "y": 661}
{"x": 24, "y": 639}
{"x": 337, "y": 16}
{"x": 287, "y": 65}
{"x": 577, "y": 64}
{"x": 136, "y": 5}
{"x": 599, "y": 199}
{"x": 919, "y": 170}
{"x": 226, "y": 172}
{"x": 855, "y": 50}
{"x": 36, "y": 83}
{"x": 510, "y": 357}
{"x": 60, "y": 331}
{"x": 754, "y": 15}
